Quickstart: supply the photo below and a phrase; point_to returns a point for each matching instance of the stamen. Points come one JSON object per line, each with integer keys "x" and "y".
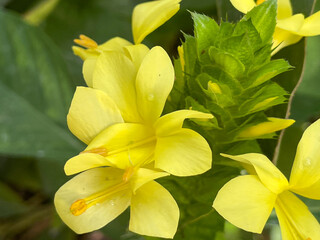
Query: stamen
{"x": 78, "y": 207}
{"x": 101, "y": 151}
{"x": 128, "y": 174}
{"x": 86, "y": 42}
{"x": 260, "y": 1}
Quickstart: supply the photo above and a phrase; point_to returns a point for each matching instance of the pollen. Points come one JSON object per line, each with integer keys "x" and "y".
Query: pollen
{"x": 86, "y": 42}
{"x": 78, "y": 207}
{"x": 101, "y": 151}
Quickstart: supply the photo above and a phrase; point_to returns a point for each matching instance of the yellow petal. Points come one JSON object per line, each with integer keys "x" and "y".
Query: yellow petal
{"x": 144, "y": 175}
{"x": 172, "y": 122}
{"x": 284, "y": 9}
{"x": 292, "y": 24}
{"x": 181, "y": 57}
{"x": 268, "y": 173}
{"x": 136, "y": 53}
{"x": 311, "y": 25}
{"x": 273, "y": 125}
{"x": 154, "y": 82}
{"x": 154, "y": 212}
{"x": 109, "y": 75}
{"x": 296, "y": 221}
{"x": 245, "y": 202}
{"x": 87, "y": 70}
{"x": 126, "y": 144}
{"x": 90, "y": 112}
{"x": 283, "y": 38}
{"x": 147, "y": 17}
{"x": 114, "y": 44}
{"x": 305, "y": 170}
{"x": 85, "y": 161}
{"x": 84, "y": 185}
{"x": 84, "y": 53}
{"x": 184, "y": 153}
{"x": 243, "y": 5}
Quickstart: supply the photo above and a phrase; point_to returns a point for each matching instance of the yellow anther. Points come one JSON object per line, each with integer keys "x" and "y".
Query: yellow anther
{"x": 78, "y": 207}
{"x": 101, "y": 151}
{"x": 260, "y": 1}
{"x": 86, "y": 42}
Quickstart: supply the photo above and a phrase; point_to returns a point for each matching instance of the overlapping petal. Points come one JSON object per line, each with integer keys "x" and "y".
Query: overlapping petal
{"x": 311, "y": 25}
{"x": 305, "y": 170}
{"x": 245, "y": 202}
{"x": 90, "y": 112}
{"x": 153, "y": 84}
{"x": 243, "y": 5}
{"x": 284, "y": 9}
{"x": 115, "y": 74}
{"x": 153, "y": 212}
{"x": 126, "y": 144}
{"x": 147, "y": 17}
{"x": 296, "y": 221}
{"x": 184, "y": 153}
{"x": 283, "y": 38}
{"x": 85, "y": 161}
{"x": 269, "y": 174}
{"x": 84, "y": 185}
{"x": 136, "y": 53}
{"x": 172, "y": 122}
{"x": 291, "y": 24}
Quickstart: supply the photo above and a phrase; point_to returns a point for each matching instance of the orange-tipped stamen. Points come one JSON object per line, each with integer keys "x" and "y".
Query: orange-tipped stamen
{"x": 86, "y": 42}
{"x": 101, "y": 151}
{"x": 78, "y": 207}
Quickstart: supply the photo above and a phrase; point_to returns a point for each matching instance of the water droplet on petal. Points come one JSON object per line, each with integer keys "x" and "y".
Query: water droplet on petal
{"x": 150, "y": 97}
{"x": 112, "y": 203}
{"x": 307, "y": 162}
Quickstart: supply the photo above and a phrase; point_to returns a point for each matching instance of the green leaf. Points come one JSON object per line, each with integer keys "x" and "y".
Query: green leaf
{"x": 36, "y": 93}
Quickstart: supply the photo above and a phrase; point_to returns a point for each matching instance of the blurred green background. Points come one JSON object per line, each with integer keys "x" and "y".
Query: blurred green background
{"x": 39, "y": 74}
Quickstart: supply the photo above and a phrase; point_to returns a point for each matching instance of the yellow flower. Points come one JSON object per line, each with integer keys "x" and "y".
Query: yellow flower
{"x": 146, "y": 18}
{"x": 290, "y": 28}
{"x": 95, "y": 197}
{"x": 120, "y": 115}
{"x": 247, "y": 201}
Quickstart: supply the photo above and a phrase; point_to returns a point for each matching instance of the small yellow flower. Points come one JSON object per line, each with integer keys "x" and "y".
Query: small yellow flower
{"x": 120, "y": 115}
{"x": 146, "y": 18}
{"x": 290, "y": 28}
{"x": 95, "y": 197}
{"x": 247, "y": 201}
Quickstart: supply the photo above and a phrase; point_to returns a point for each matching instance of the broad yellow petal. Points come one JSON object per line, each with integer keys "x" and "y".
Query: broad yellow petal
{"x": 136, "y": 53}
{"x": 184, "y": 153}
{"x": 84, "y": 185}
{"x": 296, "y": 221}
{"x": 147, "y": 17}
{"x": 154, "y": 82}
{"x": 292, "y": 24}
{"x": 172, "y": 122}
{"x": 245, "y": 202}
{"x": 115, "y": 74}
{"x": 243, "y": 5}
{"x": 284, "y": 9}
{"x": 311, "y": 25}
{"x": 114, "y": 44}
{"x": 283, "y": 38}
{"x": 305, "y": 170}
{"x": 125, "y": 144}
{"x": 268, "y": 173}
{"x": 85, "y": 161}
{"x": 271, "y": 126}
{"x": 90, "y": 112}
{"x": 154, "y": 212}
{"x": 144, "y": 175}
{"x": 87, "y": 70}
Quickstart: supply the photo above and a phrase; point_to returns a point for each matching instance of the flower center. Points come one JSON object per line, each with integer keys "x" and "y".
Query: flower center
{"x": 81, "y": 205}
{"x": 86, "y": 42}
